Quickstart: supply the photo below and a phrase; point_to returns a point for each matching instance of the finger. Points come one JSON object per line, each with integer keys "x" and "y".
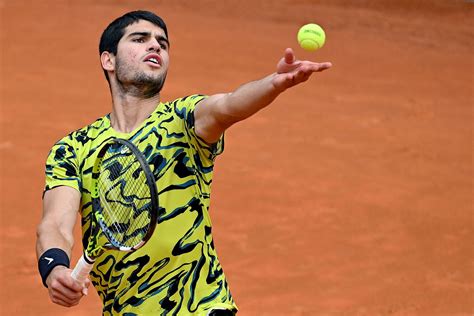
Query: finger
{"x": 60, "y": 302}
{"x": 324, "y": 66}
{"x": 87, "y": 283}
{"x": 289, "y": 56}
{"x": 63, "y": 275}
{"x": 59, "y": 287}
{"x": 72, "y": 284}
{"x": 58, "y": 298}
{"x": 317, "y": 67}
{"x": 85, "y": 287}
{"x": 85, "y": 290}
{"x": 71, "y": 294}
{"x": 64, "y": 303}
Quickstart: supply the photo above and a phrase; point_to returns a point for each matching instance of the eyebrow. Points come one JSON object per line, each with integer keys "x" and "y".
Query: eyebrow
{"x": 159, "y": 38}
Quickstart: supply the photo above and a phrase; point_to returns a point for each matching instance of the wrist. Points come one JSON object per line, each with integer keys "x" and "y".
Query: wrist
{"x": 50, "y": 259}
{"x": 278, "y": 84}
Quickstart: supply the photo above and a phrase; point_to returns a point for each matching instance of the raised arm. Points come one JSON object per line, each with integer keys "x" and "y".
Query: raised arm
{"x": 218, "y": 112}
{"x": 54, "y": 244}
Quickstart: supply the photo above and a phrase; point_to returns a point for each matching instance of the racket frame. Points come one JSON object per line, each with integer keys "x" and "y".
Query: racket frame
{"x": 86, "y": 261}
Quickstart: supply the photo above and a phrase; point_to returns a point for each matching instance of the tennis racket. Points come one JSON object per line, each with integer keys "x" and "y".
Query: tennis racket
{"x": 124, "y": 204}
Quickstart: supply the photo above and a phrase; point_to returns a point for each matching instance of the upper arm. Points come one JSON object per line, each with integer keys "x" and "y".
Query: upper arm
{"x": 60, "y": 206}
{"x": 210, "y": 118}
{"x": 61, "y": 198}
{"x": 218, "y": 112}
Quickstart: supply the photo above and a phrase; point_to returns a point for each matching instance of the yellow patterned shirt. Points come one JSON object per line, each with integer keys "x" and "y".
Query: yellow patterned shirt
{"x": 177, "y": 272}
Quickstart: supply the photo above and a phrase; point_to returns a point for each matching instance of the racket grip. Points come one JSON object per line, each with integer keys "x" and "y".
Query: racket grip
{"x": 81, "y": 270}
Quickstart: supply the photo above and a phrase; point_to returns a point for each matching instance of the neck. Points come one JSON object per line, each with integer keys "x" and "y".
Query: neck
{"x": 129, "y": 110}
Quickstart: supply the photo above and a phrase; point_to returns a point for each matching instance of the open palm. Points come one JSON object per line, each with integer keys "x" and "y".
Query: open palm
{"x": 291, "y": 72}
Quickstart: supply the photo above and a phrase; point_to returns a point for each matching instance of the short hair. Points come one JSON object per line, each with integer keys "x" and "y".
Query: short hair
{"x": 115, "y": 31}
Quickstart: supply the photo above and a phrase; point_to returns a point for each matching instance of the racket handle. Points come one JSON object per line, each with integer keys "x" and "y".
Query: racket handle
{"x": 81, "y": 270}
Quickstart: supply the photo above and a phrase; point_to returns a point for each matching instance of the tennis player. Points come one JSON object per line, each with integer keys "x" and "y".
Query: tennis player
{"x": 177, "y": 272}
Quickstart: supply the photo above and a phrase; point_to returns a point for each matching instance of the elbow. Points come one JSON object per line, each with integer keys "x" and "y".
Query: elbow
{"x": 43, "y": 229}
{"x": 51, "y": 235}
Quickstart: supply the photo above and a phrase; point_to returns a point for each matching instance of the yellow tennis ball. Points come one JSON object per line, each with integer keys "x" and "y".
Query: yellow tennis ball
{"x": 311, "y": 37}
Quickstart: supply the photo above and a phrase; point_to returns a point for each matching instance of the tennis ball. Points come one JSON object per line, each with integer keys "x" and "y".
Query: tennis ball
{"x": 311, "y": 37}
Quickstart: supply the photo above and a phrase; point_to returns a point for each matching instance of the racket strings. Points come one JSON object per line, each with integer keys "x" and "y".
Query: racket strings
{"x": 125, "y": 197}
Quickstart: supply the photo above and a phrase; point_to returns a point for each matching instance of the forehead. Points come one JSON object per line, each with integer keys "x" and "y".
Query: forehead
{"x": 144, "y": 26}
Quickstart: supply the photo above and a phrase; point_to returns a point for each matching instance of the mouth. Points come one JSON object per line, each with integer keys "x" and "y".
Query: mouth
{"x": 153, "y": 59}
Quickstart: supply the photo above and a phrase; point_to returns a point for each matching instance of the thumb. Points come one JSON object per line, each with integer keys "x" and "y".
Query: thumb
{"x": 289, "y": 56}
{"x": 85, "y": 289}
{"x": 288, "y": 63}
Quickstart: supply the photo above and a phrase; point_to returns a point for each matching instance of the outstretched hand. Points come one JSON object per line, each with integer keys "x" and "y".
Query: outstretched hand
{"x": 291, "y": 72}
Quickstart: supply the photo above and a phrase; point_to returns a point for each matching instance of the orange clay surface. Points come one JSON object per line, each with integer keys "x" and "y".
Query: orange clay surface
{"x": 350, "y": 195}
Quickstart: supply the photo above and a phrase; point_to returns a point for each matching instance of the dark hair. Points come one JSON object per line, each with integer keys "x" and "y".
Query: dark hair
{"x": 114, "y": 32}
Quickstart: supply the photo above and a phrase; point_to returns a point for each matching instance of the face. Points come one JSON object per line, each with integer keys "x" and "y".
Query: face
{"x": 142, "y": 58}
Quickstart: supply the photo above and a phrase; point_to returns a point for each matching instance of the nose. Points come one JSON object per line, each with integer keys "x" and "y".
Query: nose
{"x": 154, "y": 46}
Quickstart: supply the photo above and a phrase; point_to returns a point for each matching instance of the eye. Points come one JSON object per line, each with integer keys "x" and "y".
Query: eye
{"x": 163, "y": 46}
{"x": 138, "y": 40}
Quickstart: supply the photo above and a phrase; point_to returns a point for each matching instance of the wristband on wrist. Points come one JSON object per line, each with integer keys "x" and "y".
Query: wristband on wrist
{"x": 49, "y": 259}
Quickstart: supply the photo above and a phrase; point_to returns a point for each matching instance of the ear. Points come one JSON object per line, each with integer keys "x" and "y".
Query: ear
{"x": 108, "y": 61}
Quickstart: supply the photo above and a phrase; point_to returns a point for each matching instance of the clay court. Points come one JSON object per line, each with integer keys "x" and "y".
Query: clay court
{"x": 351, "y": 194}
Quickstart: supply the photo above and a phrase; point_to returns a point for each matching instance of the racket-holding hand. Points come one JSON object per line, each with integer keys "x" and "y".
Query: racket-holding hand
{"x": 63, "y": 289}
{"x": 291, "y": 71}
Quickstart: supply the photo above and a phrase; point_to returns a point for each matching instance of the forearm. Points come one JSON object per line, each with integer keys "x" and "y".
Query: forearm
{"x": 245, "y": 101}
{"x": 51, "y": 235}
{"x": 218, "y": 112}
{"x": 54, "y": 244}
